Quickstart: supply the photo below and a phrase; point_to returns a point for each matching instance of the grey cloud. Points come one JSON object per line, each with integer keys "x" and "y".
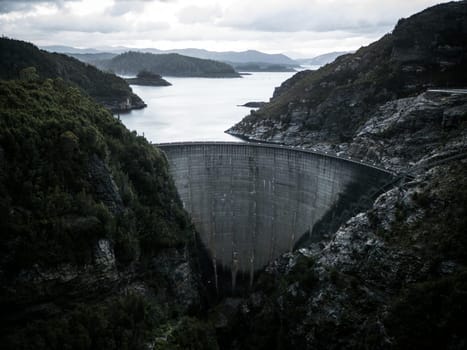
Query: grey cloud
{"x": 122, "y": 7}
{"x": 197, "y": 14}
{"x": 91, "y": 23}
{"x": 283, "y": 24}
{"x": 83, "y": 26}
{"x": 295, "y": 22}
{"x": 144, "y": 1}
{"x": 74, "y": 23}
{"x": 352, "y": 16}
{"x": 18, "y": 5}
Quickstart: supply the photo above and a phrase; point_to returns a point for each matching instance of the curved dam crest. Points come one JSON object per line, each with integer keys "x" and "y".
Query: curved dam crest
{"x": 253, "y": 202}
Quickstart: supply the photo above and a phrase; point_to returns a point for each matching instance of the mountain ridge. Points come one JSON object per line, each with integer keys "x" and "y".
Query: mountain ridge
{"x": 323, "y": 59}
{"x": 247, "y": 56}
{"x": 107, "y": 89}
{"x": 329, "y": 105}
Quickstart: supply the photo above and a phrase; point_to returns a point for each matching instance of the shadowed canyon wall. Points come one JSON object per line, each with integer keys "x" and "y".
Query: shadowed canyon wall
{"x": 253, "y": 202}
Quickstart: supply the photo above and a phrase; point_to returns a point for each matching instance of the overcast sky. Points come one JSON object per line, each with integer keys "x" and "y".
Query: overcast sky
{"x": 303, "y": 28}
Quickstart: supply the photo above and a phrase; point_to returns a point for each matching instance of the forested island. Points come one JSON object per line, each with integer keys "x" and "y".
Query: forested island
{"x": 262, "y": 67}
{"x": 131, "y": 63}
{"x": 146, "y": 78}
{"x": 251, "y": 60}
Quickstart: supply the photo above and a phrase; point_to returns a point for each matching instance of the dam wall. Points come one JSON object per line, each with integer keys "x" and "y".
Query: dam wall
{"x": 251, "y": 202}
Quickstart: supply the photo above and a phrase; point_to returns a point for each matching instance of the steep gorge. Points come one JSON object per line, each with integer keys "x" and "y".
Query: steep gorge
{"x": 394, "y": 276}
{"x": 97, "y": 252}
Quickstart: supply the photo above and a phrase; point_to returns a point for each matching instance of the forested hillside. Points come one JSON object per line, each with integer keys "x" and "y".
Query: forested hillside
{"x": 95, "y": 248}
{"x": 18, "y": 58}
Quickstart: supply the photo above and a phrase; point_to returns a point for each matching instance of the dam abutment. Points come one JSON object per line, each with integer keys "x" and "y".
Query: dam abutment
{"x": 253, "y": 202}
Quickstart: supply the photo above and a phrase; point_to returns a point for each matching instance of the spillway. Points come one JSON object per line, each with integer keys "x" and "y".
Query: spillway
{"x": 253, "y": 202}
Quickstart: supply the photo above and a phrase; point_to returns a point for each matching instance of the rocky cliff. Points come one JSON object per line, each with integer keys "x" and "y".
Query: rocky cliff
{"x": 335, "y": 104}
{"x": 392, "y": 277}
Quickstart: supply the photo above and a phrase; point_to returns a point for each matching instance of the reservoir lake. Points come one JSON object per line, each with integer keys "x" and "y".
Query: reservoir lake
{"x": 198, "y": 109}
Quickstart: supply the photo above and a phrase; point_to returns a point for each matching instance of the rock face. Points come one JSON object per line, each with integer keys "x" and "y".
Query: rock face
{"x": 393, "y": 277}
{"x": 413, "y": 130}
{"x": 254, "y": 104}
{"x": 399, "y": 134}
{"x": 39, "y": 287}
{"x": 175, "y": 266}
{"x": 121, "y": 104}
{"x": 104, "y": 185}
{"x": 333, "y": 104}
{"x": 377, "y": 283}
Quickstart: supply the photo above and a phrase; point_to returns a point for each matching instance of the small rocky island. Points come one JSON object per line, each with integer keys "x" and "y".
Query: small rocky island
{"x": 253, "y": 104}
{"x": 147, "y": 78}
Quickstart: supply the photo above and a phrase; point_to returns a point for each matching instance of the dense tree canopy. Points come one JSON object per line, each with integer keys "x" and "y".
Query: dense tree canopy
{"x": 16, "y": 56}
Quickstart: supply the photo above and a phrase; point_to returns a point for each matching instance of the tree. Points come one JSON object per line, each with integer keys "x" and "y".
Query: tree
{"x": 28, "y": 74}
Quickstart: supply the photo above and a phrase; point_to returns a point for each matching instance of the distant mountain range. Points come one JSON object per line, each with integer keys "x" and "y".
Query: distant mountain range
{"x": 239, "y": 57}
{"x": 71, "y": 50}
{"x": 243, "y": 61}
{"x": 250, "y": 56}
{"x": 321, "y": 60}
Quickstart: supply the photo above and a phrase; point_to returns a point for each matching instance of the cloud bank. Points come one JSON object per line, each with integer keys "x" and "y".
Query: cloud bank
{"x": 306, "y": 27}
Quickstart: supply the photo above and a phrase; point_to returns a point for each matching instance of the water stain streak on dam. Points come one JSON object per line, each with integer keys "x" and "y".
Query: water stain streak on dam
{"x": 253, "y": 202}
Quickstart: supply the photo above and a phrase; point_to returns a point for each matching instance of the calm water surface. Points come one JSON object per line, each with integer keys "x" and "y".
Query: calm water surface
{"x": 198, "y": 109}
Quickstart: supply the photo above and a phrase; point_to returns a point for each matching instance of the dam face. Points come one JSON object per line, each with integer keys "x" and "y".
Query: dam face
{"x": 251, "y": 203}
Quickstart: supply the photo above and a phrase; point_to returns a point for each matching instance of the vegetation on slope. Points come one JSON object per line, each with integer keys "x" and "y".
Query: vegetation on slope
{"x": 51, "y": 137}
{"x": 168, "y": 65}
{"x": 72, "y": 178}
{"x": 105, "y": 88}
{"x": 262, "y": 67}
{"x": 424, "y": 51}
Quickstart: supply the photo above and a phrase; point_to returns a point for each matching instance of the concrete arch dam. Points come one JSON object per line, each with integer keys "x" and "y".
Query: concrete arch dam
{"x": 253, "y": 202}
